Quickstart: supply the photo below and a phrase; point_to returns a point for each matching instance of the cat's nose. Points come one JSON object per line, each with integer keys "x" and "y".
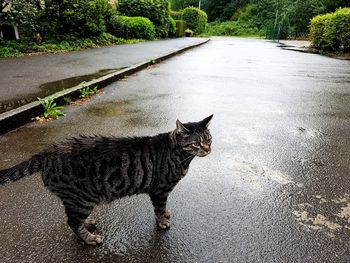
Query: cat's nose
{"x": 206, "y": 148}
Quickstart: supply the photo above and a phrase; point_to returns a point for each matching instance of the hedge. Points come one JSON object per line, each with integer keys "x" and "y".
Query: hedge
{"x": 331, "y": 32}
{"x": 132, "y": 27}
{"x": 75, "y": 17}
{"x": 158, "y": 11}
{"x": 176, "y": 15}
{"x": 195, "y": 19}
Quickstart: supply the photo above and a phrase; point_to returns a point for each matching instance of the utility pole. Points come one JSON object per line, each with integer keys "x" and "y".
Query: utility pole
{"x": 199, "y": 4}
{"x": 274, "y": 27}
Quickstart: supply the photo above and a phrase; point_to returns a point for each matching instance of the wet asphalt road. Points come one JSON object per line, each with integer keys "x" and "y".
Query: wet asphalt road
{"x": 274, "y": 189}
{"x": 24, "y": 79}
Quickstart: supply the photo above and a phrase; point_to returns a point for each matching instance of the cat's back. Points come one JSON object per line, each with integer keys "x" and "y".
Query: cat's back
{"x": 99, "y": 147}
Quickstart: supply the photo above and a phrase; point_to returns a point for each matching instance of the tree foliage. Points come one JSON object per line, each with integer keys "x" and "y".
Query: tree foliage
{"x": 293, "y": 16}
{"x": 19, "y": 12}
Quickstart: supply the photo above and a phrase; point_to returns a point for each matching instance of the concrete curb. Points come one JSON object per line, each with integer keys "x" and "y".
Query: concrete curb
{"x": 309, "y": 50}
{"x": 293, "y": 48}
{"x": 17, "y": 117}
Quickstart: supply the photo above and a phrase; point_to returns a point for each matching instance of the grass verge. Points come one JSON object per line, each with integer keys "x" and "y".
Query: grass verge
{"x": 17, "y": 48}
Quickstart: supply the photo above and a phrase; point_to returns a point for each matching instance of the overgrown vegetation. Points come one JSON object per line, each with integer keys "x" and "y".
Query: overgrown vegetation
{"x": 331, "y": 32}
{"x": 56, "y": 25}
{"x": 51, "y": 110}
{"x": 271, "y": 18}
{"x": 233, "y": 28}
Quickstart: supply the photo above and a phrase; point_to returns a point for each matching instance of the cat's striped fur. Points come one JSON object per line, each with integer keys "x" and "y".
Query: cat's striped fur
{"x": 86, "y": 171}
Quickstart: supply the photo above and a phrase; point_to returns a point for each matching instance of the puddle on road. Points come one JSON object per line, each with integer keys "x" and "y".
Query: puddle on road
{"x": 253, "y": 172}
{"x": 108, "y": 109}
{"x": 53, "y": 87}
{"x": 318, "y": 216}
{"x": 247, "y": 136}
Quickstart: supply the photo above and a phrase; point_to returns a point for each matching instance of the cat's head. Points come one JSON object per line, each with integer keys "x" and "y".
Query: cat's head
{"x": 194, "y": 137}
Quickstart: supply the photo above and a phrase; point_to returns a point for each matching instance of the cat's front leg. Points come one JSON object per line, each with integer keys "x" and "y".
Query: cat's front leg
{"x": 162, "y": 214}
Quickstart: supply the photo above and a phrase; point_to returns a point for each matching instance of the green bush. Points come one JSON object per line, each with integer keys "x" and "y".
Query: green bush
{"x": 117, "y": 26}
{"x": 74, "y": 17}
{"x": 176, "y": 15}
{"x": 158, "y": 11}
{"x": 180, "y": 28}
{"x": 331, "y": 32}
{"x": 139, "y": 28}
{"x": 172, "y": 27}
{"x": 195, "y": 19}
{"x": 131, "y": 27}
{"x": 317, "y": 26}
{"x": 232, "y": 28}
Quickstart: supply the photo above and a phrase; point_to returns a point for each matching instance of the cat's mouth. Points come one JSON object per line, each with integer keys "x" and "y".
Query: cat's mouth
{"x": 202, "y": 153}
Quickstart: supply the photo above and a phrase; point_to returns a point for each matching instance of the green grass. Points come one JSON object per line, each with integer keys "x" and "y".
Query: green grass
{"x": 17, "y": 48}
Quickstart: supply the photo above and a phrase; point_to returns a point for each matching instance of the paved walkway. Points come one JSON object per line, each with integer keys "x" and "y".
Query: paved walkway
{"x": 24, "y": 79}
{"x": 296, "y": 43}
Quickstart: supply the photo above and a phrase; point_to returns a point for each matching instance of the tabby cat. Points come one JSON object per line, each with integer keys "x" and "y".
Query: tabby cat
{"x": 88, "y": 170}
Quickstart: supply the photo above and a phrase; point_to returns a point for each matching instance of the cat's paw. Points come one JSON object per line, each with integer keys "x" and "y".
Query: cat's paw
{"x": 163, "y": 219}
{"x": 90, "y": 224}
{"x": 164, "y": 223}
{"x": 93, "y": 240}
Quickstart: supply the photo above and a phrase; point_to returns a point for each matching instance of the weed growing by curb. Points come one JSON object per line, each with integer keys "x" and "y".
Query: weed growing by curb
{"x": 67, "y": 100}
{"x": 87, "y": 92}
{"x": 51, "y": 110}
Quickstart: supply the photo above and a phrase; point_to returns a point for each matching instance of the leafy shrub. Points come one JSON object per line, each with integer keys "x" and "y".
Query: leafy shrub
{"x": 139, "y": 28}
{"x": 195, "y": 19}
{"x": 180, "y": 28}
{"x": 176, "y": 15}
{"x": 158, "y": 11}
{"x": 117, "y": 26}
{"x": 232, "y": 28}
{"x": 317, "y": 26}
{"x": 75, "y": 17}
{"x": 172, "y": 27}
{"x": 189, "y": 32}
{"x": 131, "y": 27}
{"x": 331, "y": 32}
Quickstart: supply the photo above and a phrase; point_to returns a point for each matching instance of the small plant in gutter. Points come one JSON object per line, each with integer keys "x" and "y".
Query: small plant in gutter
{"x": 51, "y": 110}
{"x": 87, "y": 92}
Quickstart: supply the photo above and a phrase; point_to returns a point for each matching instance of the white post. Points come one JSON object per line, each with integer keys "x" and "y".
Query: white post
{"x": 199, "y": 4}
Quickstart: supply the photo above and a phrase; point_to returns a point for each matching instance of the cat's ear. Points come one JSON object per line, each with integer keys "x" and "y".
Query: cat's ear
{"x": 180, "y": 127}
{"x": 205, "y": 123}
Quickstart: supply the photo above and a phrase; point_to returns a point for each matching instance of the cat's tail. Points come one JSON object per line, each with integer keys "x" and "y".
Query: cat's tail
{"x": 21, "y": 170}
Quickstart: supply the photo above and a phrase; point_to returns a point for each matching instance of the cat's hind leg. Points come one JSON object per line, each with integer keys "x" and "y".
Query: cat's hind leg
{"x": 77, "y": 215}
{"x": 162, "y": 214}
